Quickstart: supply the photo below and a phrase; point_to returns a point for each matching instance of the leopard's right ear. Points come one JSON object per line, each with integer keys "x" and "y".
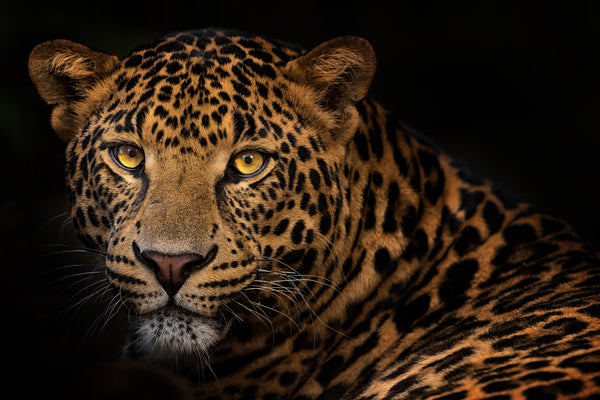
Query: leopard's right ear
{"x": 64, "y": 73}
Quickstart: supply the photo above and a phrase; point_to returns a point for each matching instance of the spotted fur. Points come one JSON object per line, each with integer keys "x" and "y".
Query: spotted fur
{"x": 360, "y": 262}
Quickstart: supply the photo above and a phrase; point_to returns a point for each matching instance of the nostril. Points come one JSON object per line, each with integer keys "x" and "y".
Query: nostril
{"x": 193, "y": 266}
{"x": 210, "y": 256}
{"x": 146, "y": 259}
{"x": 136, "y": 251}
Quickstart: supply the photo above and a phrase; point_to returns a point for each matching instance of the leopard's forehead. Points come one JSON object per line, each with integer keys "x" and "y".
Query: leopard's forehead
{"x": 219, "y": 45}
{"x": 198, "y": 84}
{"x": 212, "y": 56}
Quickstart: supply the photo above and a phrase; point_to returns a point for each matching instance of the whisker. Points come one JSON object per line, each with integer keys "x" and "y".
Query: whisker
{"x": 301, "y": 278}
{"x": 71, "y": 311}
{"x": 51, "y": 220}
{"x": 85, "y": 299}
{"x": 279, "y": 290}
{"x": 253, "y": 304}
{"x": 84, "y": 288}
{"x": 278, "y": 312}
{"x": 204, "y": 361}
{"x": 295, "y": 272}
{"x": 86, "y": 251}
{"x": 263, "y": 318}
{"x": 293, "y": 277}
{"x": 64, "y": 224}
{"x": 97, "y": 267}
{"x": 328, "y": 243}
{"x": 281, "y": 313}
{"x": 240, "y": 319}
{"x": 87, "y": 274}
{"x": 111, "y": 311}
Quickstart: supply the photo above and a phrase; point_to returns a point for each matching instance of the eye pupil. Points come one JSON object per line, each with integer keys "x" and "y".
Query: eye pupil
{"x": 248, "y": 159}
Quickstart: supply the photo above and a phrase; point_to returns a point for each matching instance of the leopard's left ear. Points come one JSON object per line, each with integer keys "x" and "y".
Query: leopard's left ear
{"x": 339, "y": 72}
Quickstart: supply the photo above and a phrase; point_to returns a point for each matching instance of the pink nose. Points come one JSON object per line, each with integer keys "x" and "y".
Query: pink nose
{"x": 172, "y": 269}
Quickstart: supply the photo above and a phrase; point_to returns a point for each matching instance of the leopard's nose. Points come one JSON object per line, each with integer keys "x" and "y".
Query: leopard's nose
{"x": 173, "y": 269}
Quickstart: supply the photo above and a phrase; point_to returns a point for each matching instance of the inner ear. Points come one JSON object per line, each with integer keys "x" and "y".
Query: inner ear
{"x": 340, "y": 71}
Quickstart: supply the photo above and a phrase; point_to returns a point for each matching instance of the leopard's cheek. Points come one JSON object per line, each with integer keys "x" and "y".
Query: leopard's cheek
{"x": 99, "y": 199}
{"x": 295, "y": 214}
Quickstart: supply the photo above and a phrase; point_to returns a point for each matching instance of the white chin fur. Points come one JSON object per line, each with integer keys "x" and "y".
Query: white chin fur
{"x": 170, "y": 334}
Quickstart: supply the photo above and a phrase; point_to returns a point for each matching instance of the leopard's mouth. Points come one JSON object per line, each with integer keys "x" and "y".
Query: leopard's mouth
{"x": 172, "y": 332}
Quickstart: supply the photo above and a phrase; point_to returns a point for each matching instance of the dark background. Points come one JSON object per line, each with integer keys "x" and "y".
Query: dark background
{"x": 509, "y": 86}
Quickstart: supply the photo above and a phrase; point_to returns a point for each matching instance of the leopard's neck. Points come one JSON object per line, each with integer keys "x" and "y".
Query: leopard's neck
{"x": 414, "y": 204}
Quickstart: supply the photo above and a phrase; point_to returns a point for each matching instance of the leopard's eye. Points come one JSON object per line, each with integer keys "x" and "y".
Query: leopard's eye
{"x": 249, "y": 162}
{"x": 128, "y": 156}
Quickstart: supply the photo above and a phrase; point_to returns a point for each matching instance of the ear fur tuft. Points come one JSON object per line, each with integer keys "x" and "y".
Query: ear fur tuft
{"x": 341, "y": 70}
{"x": 64, "y": 72}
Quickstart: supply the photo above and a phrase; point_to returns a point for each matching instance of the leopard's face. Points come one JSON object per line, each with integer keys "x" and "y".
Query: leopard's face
{"x": 208, "y": 180}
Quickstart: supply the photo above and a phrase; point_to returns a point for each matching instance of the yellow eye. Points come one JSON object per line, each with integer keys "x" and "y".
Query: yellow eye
{"x": 128, "y": 156}
{"x": 249, "y": 162}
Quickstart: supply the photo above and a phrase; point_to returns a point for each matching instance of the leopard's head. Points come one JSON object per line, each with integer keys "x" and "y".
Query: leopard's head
{"x": 210, "y": 167}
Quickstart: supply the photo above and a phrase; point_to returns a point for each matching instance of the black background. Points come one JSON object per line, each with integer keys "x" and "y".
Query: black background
{"x": 512, "y": 87}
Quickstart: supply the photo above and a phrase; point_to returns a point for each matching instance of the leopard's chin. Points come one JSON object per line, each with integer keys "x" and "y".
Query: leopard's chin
{"x": 174, "y": 334}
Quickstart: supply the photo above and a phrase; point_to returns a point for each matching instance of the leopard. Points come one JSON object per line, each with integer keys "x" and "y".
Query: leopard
{"x": 273, "y": 232}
